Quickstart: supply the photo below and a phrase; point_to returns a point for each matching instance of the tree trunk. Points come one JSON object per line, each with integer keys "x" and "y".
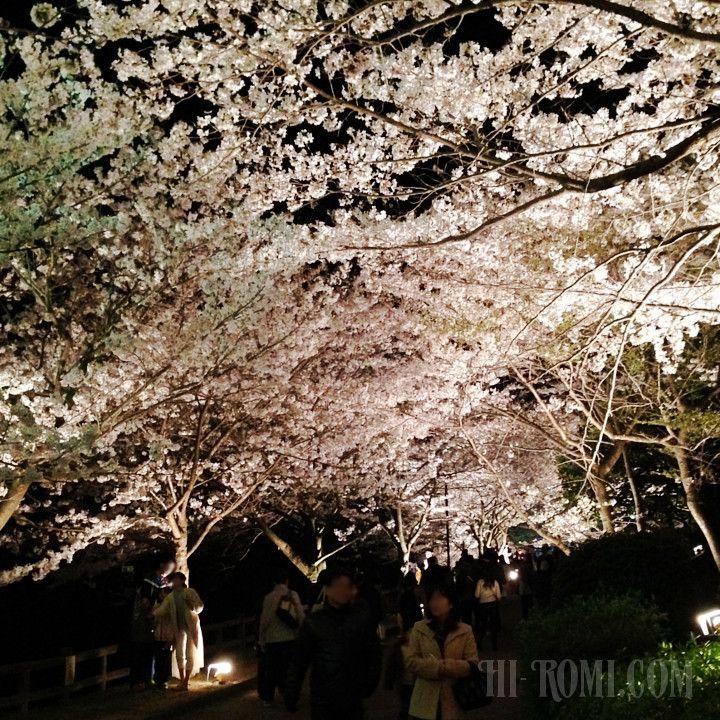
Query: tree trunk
{"x": 692, "y": 496}
{"x": 598, "y": 475}
{"x": 179, "y": 531}
{"x": 639, "y": 521}
{"x": 599, "y": 489}
{"x": 400, "y": 538}
{"x": 519, "y": 510}
{"x": 539, "y": 530}
{"x": 181, "y": 555}
{"x": 309, "y": 571}
{"x": 11, "y": 502}
{"x": 403, "y": 552}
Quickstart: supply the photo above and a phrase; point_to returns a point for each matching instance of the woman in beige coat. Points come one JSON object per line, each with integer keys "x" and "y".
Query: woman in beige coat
{"x": 441, "y": 651}
{"x": 179, "y": 616}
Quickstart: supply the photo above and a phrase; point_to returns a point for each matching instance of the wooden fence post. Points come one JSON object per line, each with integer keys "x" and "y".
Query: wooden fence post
{"x": 25, "y": 692}
{"x": 103, "y": 672}
{"x": 70, "y": 662}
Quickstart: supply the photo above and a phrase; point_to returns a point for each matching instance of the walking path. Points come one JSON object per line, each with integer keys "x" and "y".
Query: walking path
{"x": 238, "y": 699}
{"x": 245, "y": 705}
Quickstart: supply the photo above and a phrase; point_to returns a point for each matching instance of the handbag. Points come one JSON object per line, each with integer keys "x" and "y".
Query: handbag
{"x": 287, "y": 613}
{"x": 471, "y": 692}
{"x": 164, "y": 629}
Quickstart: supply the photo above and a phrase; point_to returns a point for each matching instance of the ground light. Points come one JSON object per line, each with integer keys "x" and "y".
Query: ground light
{"x": 219, "y": 669}
{"x": 709, "y": 622}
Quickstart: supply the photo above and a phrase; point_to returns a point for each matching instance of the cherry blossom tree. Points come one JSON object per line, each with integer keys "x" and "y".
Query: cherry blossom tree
{"x": 71, "y": 283}
{"x": 673, "y": 414}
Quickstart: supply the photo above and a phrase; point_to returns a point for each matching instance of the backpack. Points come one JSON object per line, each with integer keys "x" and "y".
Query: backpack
{"x": 287, "y": 612}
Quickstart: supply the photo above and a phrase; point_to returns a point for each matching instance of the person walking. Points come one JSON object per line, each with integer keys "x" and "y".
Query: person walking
{"x": 526, "y": 582}
{"x": 409, "y": 608}
{"x": 397, "y": 676}
{"x": 340, "y": 646}
{"x": 441, "y": 650}
{"x": 180, "y": 612}
{"x": 280, "y": 619}
{"x": 465, "y": 584}
{"x": 370, "y": 596}
{"x": 487, "y": 608}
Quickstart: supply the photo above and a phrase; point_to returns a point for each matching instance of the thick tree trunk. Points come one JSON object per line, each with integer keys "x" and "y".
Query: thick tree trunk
{"x": 692, "y": 496}
{"x": 11, "y": 502}
{"x": 181, "y": 555}
{"x": 179, "y": 532}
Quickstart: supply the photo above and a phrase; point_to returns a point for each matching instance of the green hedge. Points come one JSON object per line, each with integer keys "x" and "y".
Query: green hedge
{"x": 601, "y": 627}
{"x": 698, "y": 699}
{"x": 658, "y": 565}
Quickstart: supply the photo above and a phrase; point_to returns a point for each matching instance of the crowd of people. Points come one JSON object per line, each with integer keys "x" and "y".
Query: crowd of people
{"x": 444, "y": 616}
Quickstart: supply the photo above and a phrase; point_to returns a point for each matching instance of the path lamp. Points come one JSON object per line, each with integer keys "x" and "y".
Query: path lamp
{"x": 709, "y": 622}
{"x": 513, "y": 581}
{"x": 219, "y": 669}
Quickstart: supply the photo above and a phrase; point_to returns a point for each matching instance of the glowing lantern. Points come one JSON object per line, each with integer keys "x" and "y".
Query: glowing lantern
{"x": 709, "y": 622}
{"x": 219, "y": 669}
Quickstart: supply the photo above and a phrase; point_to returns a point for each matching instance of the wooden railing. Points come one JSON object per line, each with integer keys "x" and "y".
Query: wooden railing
{"x": 240, "y": 632}
{"x": 218, "y": 636}
{"x": 24, "y": 670}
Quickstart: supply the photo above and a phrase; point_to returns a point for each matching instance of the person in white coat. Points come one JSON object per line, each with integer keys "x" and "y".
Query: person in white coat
{"x": 487, "y": 608}
{"x": 180, "y": 612}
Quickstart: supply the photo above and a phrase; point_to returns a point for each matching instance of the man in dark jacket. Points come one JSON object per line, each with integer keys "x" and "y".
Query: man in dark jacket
{"x": 340, "y": 646}
{"x": 151, "y": 593}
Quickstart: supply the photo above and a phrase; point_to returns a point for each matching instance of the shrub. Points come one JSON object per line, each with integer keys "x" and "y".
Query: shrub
{"x": 698, "y": 700}
{"x": 603, "y": 627}
{"x": 658, "y": 565}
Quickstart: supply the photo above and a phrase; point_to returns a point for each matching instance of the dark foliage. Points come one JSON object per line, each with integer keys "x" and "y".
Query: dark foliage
{"x": 660, "y": 566}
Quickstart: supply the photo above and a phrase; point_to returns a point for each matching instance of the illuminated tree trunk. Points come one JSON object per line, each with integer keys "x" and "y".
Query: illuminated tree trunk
{"x": 599, "y": 489}
{"x": 401, "y": 540}
{"x": 310, "y": 571}
{"x": 598, "y": 483}
{"x": 404, "y": 538}
{"x": 692, "y": 496}
{"x": 179, "y": 531}
{"x": 11, "y": 502}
